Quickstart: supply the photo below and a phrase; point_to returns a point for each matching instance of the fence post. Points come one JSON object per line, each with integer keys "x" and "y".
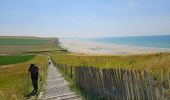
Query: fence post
{"x": 163, "y": 88}
{"x": 65, "y": 69}
{"x": 137, "y": 85}
{"x": 71, "y": 72}
{"x": 146, "y": 84}
{"x": 157, "y": 93}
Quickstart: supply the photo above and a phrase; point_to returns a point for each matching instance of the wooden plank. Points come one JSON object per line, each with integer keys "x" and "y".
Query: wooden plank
{"x": 163, "y": 85}
{"x": 137, "y": 85}
{"x": 146, "y": 85}
{"x": 128, "y": 85}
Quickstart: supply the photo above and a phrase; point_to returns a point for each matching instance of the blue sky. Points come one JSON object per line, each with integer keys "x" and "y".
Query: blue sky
{"x": 84, "y": 18}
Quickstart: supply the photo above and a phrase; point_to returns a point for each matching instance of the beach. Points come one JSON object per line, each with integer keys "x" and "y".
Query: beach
{"x": 86, "y": 47}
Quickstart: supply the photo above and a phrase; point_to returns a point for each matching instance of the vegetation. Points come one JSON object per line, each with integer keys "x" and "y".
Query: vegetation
{"x": 19, "y": 41}
{"x": 13, "y": 45}
{"x": 13, "y": 59}
{"x": 154, "y": 63}
{"x": 14, "y": 82}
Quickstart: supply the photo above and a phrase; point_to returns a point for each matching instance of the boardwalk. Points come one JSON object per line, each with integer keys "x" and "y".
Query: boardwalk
{"x": 56, "y": 87}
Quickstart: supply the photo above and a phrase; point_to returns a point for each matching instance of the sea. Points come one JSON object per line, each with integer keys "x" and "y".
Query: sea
{"x": 161, "y": 41}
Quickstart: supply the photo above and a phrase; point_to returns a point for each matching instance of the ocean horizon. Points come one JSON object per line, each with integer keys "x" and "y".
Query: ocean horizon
{"x": 159, "y": 41}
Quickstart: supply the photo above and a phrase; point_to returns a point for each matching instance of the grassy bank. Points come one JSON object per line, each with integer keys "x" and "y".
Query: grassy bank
{"x": 14, "y": 82}
{"x": 154, "y": 63}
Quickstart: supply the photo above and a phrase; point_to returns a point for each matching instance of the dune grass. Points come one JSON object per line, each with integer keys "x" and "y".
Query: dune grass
{"x": 13, "y": 59}
{"x": 154, "y": 63}
{"x": 14, "y": 82}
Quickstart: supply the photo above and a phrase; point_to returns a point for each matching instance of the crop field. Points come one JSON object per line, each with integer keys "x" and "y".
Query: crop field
{"x": 14, "y": 82}
{"x": 13, "y": 59}
{"x": 13, "y": 45}
{"x": 155, "y": 63}
{"x": 35, "y": 41}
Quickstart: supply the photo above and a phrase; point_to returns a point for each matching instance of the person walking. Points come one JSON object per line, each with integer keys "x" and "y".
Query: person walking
{"x": 34, "y": 70}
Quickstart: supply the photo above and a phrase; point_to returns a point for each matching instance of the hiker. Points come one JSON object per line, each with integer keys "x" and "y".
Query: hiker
{"x": 33, "y": 69}
{"x": 49, "y": 62}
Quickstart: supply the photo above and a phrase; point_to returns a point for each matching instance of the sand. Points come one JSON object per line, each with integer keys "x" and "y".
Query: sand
{"x": 77, "y": 46}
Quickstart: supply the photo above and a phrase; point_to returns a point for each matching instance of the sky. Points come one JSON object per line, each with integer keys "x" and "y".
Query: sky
{"x": 84, "y": 18}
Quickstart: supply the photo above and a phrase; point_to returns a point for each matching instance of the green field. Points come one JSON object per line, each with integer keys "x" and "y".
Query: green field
{"x": 27, "y": 41}
{"x": 13, "y": 59}
{"x": 13, "y": 45}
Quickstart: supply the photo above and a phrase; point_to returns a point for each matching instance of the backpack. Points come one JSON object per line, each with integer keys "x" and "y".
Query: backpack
{"x": 34, "y": 70}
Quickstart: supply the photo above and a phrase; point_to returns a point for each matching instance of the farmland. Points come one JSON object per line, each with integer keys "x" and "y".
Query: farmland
{"x": 27, "y": 41}
{"x": 13, "y": 59}
{"x": 13, "y": 45}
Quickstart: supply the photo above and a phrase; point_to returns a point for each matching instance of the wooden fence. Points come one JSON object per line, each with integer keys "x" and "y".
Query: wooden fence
{"x": 119, "y": 84}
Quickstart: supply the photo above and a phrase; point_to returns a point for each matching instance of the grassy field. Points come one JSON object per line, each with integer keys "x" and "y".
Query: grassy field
{"x": 13, "y": 45}
{"x": 154, "y": 63}
{"x": 13, "y": 59}
{"x": 17, "y": 53}
{"x": 15, "y": 41}
{"x": 14, "y": 82}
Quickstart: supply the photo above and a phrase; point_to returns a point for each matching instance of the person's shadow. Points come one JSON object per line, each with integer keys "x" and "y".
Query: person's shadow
{"x": 32, "y": 93}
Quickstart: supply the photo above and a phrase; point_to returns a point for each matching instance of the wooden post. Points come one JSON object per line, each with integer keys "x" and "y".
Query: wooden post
{"x": 164, "y": 97}
{"x": 127, "y": 88}
{"x": 137, "y": 85}
{"x": 164, "y": 90}
{"x": 65, "y": 69}
{"x": 71, "y": 72}
{"x": 146, "y": 84}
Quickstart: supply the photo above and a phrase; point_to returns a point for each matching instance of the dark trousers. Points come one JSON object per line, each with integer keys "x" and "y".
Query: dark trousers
{"x": 35, "y": 81}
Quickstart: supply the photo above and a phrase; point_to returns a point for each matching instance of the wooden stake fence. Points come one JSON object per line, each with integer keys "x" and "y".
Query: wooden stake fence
{"x": 118, "y": 84}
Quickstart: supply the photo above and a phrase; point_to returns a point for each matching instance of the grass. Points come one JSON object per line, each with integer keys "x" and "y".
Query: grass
{"x": 19, "y": 41}
{"x": 13, "y": 59}
{"x": 14, "y": 82}
{"x": 154, "y": 63}
{"x": 13, "y": 45}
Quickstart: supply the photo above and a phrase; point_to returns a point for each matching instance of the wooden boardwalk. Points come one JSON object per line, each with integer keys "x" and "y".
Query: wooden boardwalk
{"x": 56, "y": 87}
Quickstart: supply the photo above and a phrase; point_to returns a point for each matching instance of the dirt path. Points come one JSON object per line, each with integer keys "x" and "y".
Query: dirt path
{"x": 56, "y": 87}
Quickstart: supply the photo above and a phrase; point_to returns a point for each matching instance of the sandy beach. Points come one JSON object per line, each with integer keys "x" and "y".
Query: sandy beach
{"x": 77, "y": 46}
